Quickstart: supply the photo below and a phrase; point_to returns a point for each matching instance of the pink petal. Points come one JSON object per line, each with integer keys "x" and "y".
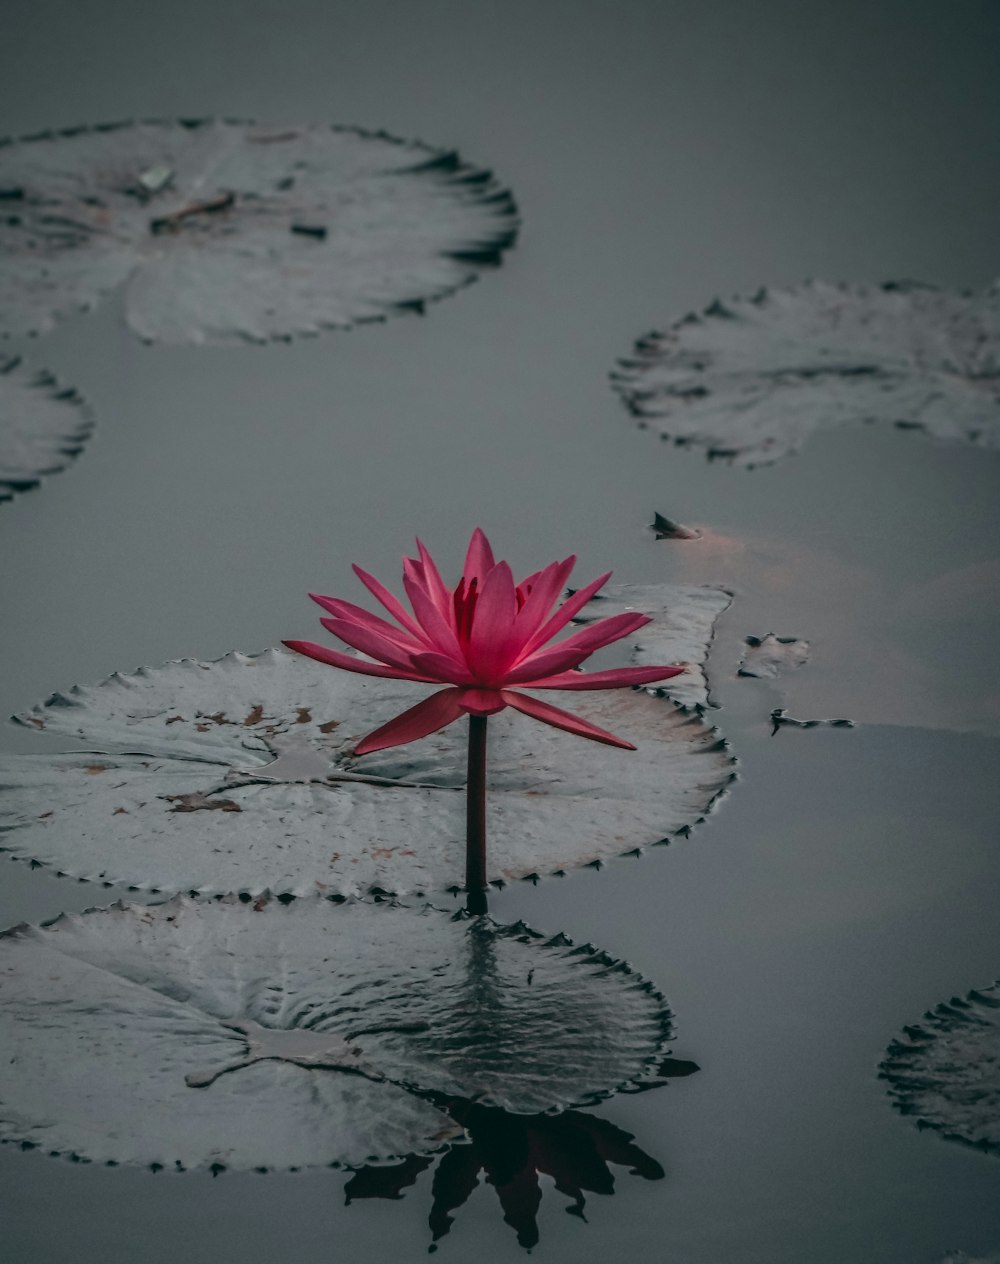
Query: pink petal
{"x": 617, "y": 678}
{"x": 561, "y": 719}
{"x": 437, "y": 629}
{"x": 444, "y": 668}
{"x": 546, "y": 586}
{"x": 481, "y": 701}
{"x": 370, "y": 643}
{"x": 351, "y": 613}
{"x": 391, "y": 603}
{"x": 574, "y": 649}
{"x": 433, "y": 713}
{"x": 438, "y": 591}
{"x": 570, "y": 607}
{"x": 479, "y": 558}
{"x": 492, "y": 641}
{"x": 360, "y": 665}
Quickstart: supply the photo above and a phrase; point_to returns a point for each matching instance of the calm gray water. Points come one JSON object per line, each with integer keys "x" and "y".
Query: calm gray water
{"x": 661, "y": 153}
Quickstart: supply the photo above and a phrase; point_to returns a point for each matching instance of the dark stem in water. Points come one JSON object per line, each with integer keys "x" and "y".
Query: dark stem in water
{"x": 475, "y": 819}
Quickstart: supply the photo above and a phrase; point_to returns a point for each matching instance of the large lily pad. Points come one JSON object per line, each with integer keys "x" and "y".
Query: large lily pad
{"x": 683, "y": 623}
{"x": 220, "y": 230}
{"x": 946, "y": 1069}
{"x": 42, "y": 426}
{"x": 238, "y": 775}
{"x": 752, "y": 378}
{"x": 264, "y": 1035}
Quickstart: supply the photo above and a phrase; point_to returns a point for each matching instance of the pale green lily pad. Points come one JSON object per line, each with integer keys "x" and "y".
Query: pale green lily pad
{"x": 42, "y": 426}
{"x": 683, "y": 623}
{"x": 238, "y": 775}
{"x": 946, "y": 1069}
{"x": 219, "y": 230}
{"x": 750, "y": 379}
{"x": 251, "y": 1035}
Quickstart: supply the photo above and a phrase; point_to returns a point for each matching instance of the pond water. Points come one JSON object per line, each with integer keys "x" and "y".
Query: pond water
{"x": 660, "y": 153}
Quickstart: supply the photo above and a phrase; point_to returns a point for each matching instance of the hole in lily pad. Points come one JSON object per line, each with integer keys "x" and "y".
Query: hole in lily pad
{"x": 42, "y": 427}
{"x": 945, "y": 1070}
{"x": 199, "y": 1033}
{"x": 683, "y": 623}
{"x": 752, "y": 378}
{"x": 219, "y": 230}
{"x": 295, "y": 810}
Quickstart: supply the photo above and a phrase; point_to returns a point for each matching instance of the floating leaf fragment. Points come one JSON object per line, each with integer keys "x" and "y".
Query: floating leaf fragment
{"x": 768, "y": 657}
{"x": 945, "y": 1069}
{"x": 42, "y": 426}
{"x": 281, "y": 1036}
{"x": 781, "y": 719}
{"x": 750, "y": 379}
{"x": 666, "y": 529}
{"x": 218, "y": 230}
{"x": 296, "y": 811}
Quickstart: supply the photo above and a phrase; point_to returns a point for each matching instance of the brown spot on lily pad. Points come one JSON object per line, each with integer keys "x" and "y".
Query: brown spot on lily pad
{"x": 198, "y": 801}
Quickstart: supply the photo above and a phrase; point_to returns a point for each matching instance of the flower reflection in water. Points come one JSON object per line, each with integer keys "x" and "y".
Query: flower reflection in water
{"x": 576, "y": 1149}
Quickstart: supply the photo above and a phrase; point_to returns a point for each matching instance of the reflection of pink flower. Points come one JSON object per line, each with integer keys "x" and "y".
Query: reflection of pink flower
{"x": 480, "y": 638}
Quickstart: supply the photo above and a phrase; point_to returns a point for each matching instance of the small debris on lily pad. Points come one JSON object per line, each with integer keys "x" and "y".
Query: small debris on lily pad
{"x": 42, "y": 426}
{"x": 240, "y": 775}
{"x": 218, "y": 230}
{"x": 945, "y": 1069}
{"x": 768, "y": 657}
{"x": 751, "y": 378}
{"x": 264, "y": 1035}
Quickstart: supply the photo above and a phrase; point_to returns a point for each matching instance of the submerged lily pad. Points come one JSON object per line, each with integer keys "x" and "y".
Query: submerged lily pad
{"x": 683, "y": 623}
{"x": 264, "y": 1035}
{"x": 239, "y": 775}
{"x": 42, "y": 427}
{"x": 946, "y": 1071}
{"x": 220, "y": 230}
{"x": 768, "y": 657}
{"x": 750, "y": 379}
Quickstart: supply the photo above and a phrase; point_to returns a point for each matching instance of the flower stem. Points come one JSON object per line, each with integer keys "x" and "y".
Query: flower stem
{"x": 475, "y": 818}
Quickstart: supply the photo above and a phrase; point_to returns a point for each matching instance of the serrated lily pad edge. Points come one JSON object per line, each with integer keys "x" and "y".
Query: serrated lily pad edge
{"x": 484, "y": 254}
{"x": 642, "y": 1082}
{"x": 70, "y": 445}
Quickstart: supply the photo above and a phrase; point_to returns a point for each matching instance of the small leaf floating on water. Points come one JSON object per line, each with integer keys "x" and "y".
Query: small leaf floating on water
{"x": 945, "y": 1069}
{"x": 781, "y": 719}
{"x": 749, "y": 380}
{"x": 281, "y": 1035}
{"x": 218, "y": 231}
{"x": 768, "y": 657}
{"x": 42, "y": 426}
{"x": 666, "y": 529}
{"x": 313, "y": 815}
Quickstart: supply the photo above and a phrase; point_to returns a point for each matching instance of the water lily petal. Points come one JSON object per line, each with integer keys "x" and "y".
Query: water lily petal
{"x": 616, "y": 678}
{"x": 391, "y": 602}
{"x": 369, "y": 642}
{"x": 323, "y": 654}
{"x": 559, "y": 719}
{"x": 574, "y": 649}
{"x": 437, "y": 589}
{"x": 570, "y": 607}
{"x": 435, "y": 712}
{"x": 546, "y": 585}
{"x": 493, "y": 643}
{"x": 479, "y": 558}
{"x": 444, "y": 668}
{"x": 481, "y": 701}
{"x": 351, "y": 613}
{"x": 437, "y": 628}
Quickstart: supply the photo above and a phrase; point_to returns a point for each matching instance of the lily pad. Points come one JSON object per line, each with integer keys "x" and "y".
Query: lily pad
{"x": 220, "y": 230}
{"x": 768, "y": 657}
{"x": 42, "y": 427}
{"x": 239, "y": 775}
{"x": 946, "y": 1069}
{"x": 750, "y": 379}
{"x": 263, "y": 1035}
{"x": 683, "y": 623}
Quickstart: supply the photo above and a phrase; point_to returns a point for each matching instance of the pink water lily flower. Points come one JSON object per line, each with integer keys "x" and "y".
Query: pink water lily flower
{"x": 484, "y": 639}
